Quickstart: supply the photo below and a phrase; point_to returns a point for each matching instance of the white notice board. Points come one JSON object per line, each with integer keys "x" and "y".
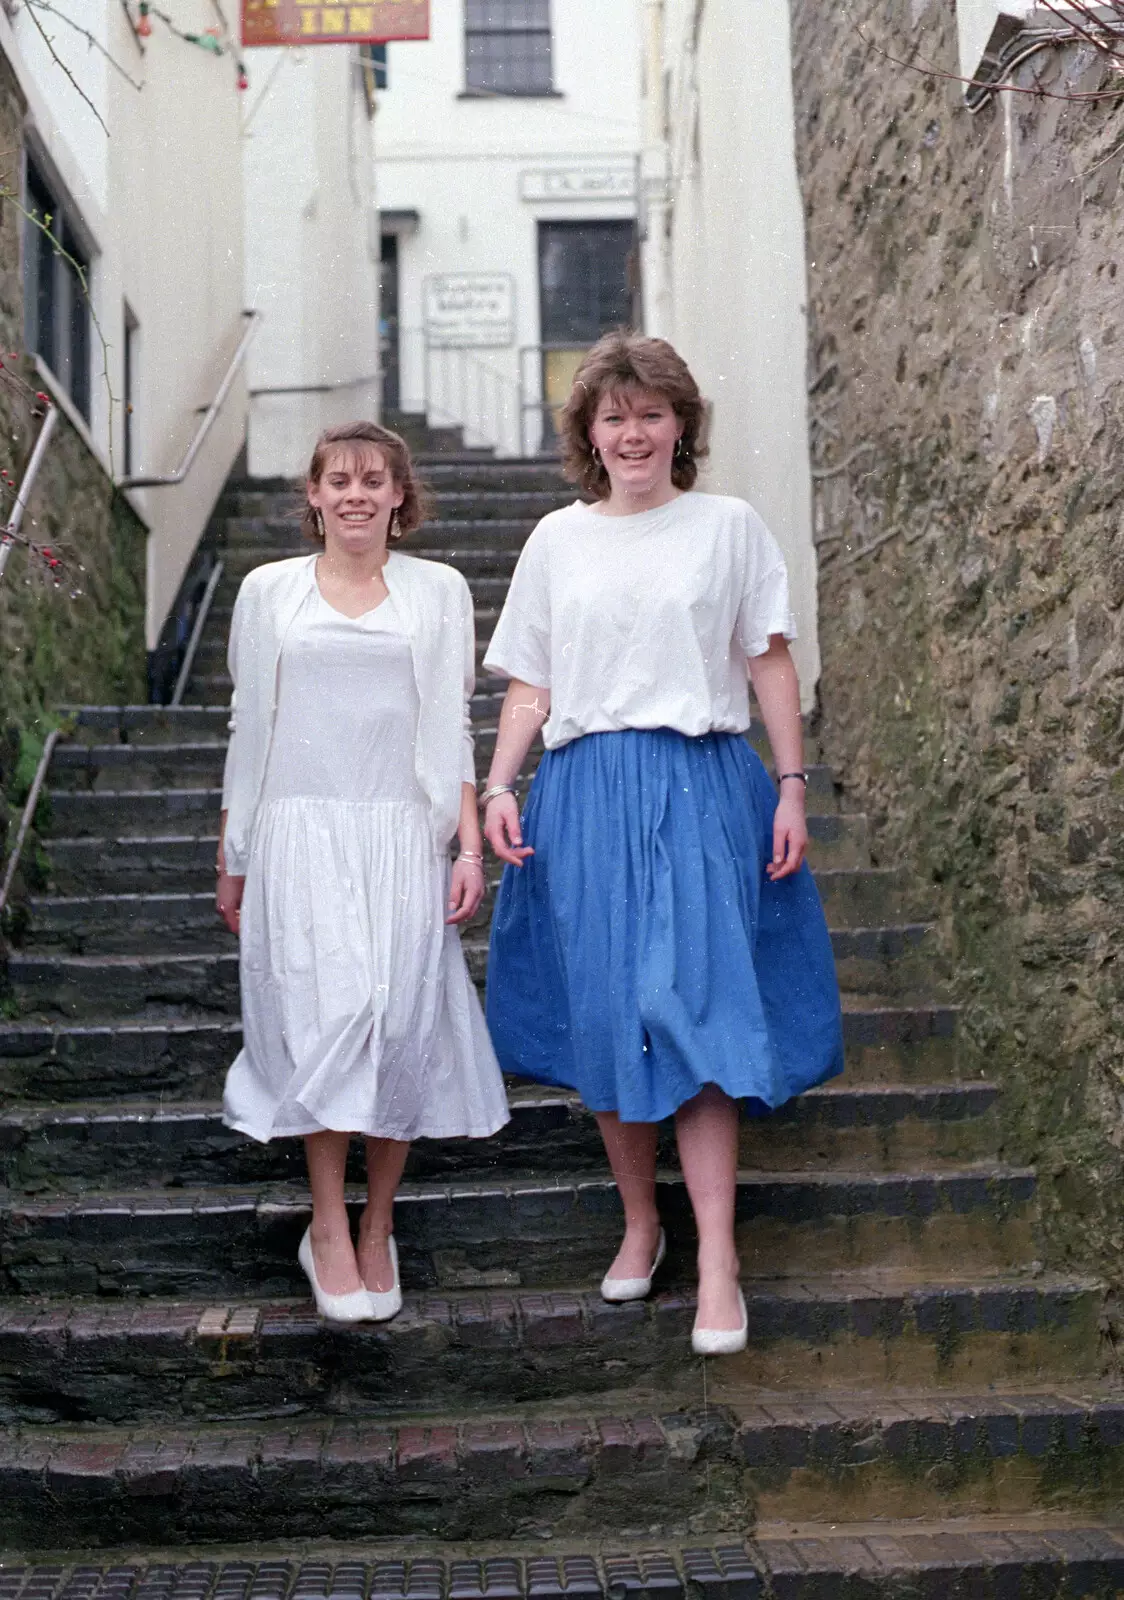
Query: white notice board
{"x": 469, "y": 308}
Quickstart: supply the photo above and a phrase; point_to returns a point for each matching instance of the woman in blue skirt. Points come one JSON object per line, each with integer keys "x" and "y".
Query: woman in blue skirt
{"x": 658, "y": 943}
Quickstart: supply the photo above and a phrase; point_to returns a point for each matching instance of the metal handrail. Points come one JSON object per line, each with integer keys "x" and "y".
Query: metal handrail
{"x": 196, "y": 633}
{"x": 9, "y": 534}
{"x": 28, "y": 813}
{"x": 141, "y": 481}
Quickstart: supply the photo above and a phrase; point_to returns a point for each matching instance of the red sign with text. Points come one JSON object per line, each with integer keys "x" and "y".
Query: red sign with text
{"x": 333, "y": 21}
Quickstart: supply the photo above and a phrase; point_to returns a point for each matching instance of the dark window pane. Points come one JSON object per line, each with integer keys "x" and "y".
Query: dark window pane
{"x": 58, "y": 315}
{"x": 508, "y": 46}
{"x": 584, "y": 279}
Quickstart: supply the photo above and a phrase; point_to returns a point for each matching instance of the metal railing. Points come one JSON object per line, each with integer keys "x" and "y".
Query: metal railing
{"x": 157, "y": 481}
{"x": 196, "y": 633}
{"x": 10, "y": 533}
{"x": 28, "y": 815}
{"x": 458, "y": 389}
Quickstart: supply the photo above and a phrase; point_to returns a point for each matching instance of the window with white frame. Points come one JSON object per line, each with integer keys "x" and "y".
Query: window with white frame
{"x": 56, "y": 309}
{"x": 507, "y": 47}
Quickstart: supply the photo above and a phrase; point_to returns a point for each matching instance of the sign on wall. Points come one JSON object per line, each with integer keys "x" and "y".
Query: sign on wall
{"x": 469, "y": 308}
{"x": 328, "y": 22}
{"x": 579, "y": 183}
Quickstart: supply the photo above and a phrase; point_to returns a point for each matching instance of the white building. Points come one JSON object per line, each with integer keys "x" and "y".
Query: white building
{"x": 723, "y": 257}
{"x": 506, "y": 149}
{"x": 141, "y": 174}
{"x": 312, "y": 249}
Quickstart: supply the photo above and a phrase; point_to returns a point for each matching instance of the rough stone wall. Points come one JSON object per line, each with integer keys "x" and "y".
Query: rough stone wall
{"x": 55, "y": 648}
{"x": 966, "y": 369}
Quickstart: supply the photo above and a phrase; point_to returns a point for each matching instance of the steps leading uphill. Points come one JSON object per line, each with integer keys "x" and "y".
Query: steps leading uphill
{"x": 921, "y": 1408}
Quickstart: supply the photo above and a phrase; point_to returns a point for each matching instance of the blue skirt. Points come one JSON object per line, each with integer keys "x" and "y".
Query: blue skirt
{"x": 641, "y": 952}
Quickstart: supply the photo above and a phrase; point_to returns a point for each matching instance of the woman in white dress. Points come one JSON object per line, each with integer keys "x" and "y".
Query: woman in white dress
{"x": 349, "y": 771}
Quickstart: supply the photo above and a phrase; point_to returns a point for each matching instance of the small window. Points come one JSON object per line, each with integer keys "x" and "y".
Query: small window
{"x": 507, "y": 46}
{"x": 56, "y": 311}
{"x": 374, "y": 57}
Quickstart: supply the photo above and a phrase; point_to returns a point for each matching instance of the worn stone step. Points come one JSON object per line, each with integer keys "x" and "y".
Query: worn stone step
{"x": 171, "y": 864}
{"x": 999, "y": 1557}
{"x": 507, "y": 513}
{"x": 339, "y": 1479}
{"x": 182, "y": 1053}
{"x": 120, "y": 961}
{"x": 478, "y": 549}
{"x": 894, "y": 959}
{"x": 631, "y": 1471}
{"x": 133, "y": 813}
{"x": 550, "y": 1134}
{"x": 216, "y": 1241}
{"x": 1007, "y": 1558}
{"x": 184, "y": 919}
{"x": 124, "y": 1362}
{"x": 145, "y": 725}
{"x": 119, "y": 767}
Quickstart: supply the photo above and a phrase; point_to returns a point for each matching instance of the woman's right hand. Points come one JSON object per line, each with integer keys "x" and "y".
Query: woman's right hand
{"x": 228, "y": 899}
{"x": 502, "y": 830}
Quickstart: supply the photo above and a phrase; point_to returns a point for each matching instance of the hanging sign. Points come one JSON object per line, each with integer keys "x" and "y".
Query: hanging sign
{"x": 329, "y": 22}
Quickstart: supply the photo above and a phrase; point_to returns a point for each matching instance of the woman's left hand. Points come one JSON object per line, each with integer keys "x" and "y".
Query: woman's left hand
{"x": 466, "y": 890}
{"x": 790, "y": 837}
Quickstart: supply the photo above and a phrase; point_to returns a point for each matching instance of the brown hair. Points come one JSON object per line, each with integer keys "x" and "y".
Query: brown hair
{"x": 622, "y": 361}
{"x": 396, "y": 452}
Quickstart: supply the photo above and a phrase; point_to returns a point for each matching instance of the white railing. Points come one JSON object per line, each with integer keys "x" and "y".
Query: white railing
{"x": 454, "y": 387}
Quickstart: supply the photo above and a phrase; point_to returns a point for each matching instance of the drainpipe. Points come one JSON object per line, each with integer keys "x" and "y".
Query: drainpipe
{"x": 654, "y": 197}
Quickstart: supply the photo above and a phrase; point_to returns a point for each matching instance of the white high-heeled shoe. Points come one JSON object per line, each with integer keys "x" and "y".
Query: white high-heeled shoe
{"x": 386, "y": 1303}
{"x": 618, "y": 1290}
{"x": 722, "y": 1341}
{"x": 351, "y": 1307}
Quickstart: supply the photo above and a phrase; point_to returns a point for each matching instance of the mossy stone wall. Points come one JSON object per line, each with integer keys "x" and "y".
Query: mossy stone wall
{"x": 967, "y": 392}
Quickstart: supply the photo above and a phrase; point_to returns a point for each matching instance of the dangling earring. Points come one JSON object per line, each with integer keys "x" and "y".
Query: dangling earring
{"x": 680, "y": 448}
{"x": 394, "y": 531}
{"x": 319, "y": 515}
{"x": 597, "y": 461}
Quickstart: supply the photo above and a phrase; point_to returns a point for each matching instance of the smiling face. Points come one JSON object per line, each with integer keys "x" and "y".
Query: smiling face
{"x": 355, "y": 495}
{"x": 636, "y": 431}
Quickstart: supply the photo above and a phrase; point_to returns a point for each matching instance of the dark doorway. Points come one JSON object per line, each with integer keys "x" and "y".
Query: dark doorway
{"x": 388, "y": 323}
{"x": 586, "y": 287}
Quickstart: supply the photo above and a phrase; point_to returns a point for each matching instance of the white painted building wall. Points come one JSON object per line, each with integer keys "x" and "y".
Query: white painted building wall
{"x": 467, "y": 164}
{"x": 724, "y": 237}
{"x": 158, "y": 203}
{"x": 311, "y": 251}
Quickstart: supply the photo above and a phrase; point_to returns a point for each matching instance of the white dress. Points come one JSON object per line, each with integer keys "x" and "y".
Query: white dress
{"x": 358, "y": 1012}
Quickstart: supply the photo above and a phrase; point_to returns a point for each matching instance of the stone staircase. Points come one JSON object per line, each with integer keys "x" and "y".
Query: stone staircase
{"x": 921, "y": 1409}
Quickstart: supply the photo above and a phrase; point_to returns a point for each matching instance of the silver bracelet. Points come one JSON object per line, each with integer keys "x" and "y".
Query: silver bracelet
{"x": 495, "y": 791}
{"x": 471, "y": 855}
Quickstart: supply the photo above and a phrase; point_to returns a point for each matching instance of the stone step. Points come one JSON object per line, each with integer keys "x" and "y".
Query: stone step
{"x": 628, "y": 1472}
{"x": 550, "y": 1134}
{"x": 185, "y": 917}
{"x": 162, "y": 869}
{"x": 196, "y": 962}
{"x": 261, "y": 521}
{"x": 835, "y": 841}
{"x": 1007, "y": 1558}
{"x": 146, "y": 725}
{"x": 477, "y": 549}
{"x": 181, "y": 1054}
{"x": 489, "y": 591}
{"x": 71, "y": 1361}
{"x": 894, "y": 960}
{"x": 534, "y": 1234}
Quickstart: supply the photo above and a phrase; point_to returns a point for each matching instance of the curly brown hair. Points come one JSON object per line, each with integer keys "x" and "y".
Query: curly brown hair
{"x": 347, "y": 438}
{"x": 617, "y": 363}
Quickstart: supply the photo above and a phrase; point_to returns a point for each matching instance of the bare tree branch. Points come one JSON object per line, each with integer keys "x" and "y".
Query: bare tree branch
{"x": 62, "y": 66}
{"x": 96, "y": 44}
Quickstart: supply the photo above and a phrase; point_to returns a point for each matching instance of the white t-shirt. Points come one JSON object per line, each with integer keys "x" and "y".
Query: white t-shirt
{"x": 644, "y": 621}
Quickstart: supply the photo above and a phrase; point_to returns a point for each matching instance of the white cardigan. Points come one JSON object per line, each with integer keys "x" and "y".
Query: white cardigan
{"x": 435, "y": 605}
